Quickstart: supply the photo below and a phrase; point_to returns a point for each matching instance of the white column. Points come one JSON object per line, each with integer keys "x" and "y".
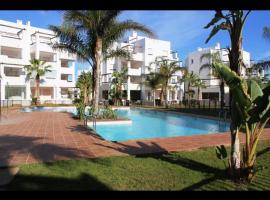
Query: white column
{"x": 2, "y": 82}
{"x": 28, "y": 90}
{"x": 128, "y": 81}
{"x": 37, "y": 46}
{"x": 168, "y": 95}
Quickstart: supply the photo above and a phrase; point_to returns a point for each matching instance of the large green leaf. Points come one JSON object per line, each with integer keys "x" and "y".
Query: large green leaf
{"x": 261, "y": 106}
{"x": 254, "y": 90}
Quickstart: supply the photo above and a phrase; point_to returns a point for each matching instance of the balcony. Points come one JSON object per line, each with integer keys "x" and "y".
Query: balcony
{"x": 134, "y": 71}
{"x": 135, "y": 79}
{"x": 47, "y": 56}
{"x": 11, "y": 39}
{"x": 67, "y": 56}
{"x": 137, "y": 56}
{"x": 11, "y": 52}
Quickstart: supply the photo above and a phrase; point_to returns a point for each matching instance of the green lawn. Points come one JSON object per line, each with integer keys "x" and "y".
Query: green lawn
{"x": 193, "y": 170}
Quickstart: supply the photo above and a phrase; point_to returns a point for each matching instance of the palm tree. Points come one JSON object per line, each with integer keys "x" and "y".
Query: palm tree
{"x": 153, "y": 82}
{"x": 167, "y": 70}
{"x": 266, "y": 32}
{"x": 233, "y": 22}
{"x": 214, "y": 57}
{"x": 36, "y": 70}
{"x": 84, "y": 83}
{"x": 199, "y": 84}
{"x": 189, "y": 78}
{"x": 253, "y": 113}
{"x": 90, "y": 34}
{"x": 118, "y": 79}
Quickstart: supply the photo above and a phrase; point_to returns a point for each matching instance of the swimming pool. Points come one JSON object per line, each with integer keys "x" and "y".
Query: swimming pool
{"x": 155, "y": 124}
{"x": 148, "y": 124}
{"x": 70, "y": 109}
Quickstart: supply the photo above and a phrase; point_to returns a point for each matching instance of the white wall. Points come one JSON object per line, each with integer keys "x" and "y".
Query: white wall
{"x": 30, "y": 40}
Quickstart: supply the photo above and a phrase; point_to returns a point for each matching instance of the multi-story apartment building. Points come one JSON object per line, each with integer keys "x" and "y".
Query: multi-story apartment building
{"x": 19, "y": 43}
{"x": 144, "y": 51}
{"x": 195, "y": 61}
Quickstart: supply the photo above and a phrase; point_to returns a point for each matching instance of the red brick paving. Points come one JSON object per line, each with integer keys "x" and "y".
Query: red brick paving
{"x": 50, "y": 136}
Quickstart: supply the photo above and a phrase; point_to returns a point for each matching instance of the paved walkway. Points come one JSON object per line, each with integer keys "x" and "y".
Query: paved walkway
{"x": 50, "y": 136}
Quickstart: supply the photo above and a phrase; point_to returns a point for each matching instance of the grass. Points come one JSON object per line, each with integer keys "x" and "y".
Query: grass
{"x": 189, "y": 170}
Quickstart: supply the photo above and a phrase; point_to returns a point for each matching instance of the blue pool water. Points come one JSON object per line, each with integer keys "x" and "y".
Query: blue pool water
{"x": 155, "y": 124}
{"x": 148, "y": 124}
{"x": 49, "y": 109}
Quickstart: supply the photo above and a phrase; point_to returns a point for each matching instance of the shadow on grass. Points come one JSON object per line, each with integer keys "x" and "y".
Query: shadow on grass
{"x": 30, "y": 182}
{"x": 157, "y": 152}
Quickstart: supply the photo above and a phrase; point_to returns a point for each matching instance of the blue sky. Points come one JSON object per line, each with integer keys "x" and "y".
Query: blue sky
{"x": 183, "y": 28}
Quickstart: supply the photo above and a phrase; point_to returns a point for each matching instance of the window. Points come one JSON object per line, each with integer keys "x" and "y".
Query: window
{"x": 191, "y": 61}
{"x": 69, "y": 78}
{"x": 164, "y": 53}
{"x": 51, "y": 74}
{"x": 150, "y": 51}
{"x": 66, "y": 77}
{"x": 12, "y": 71}
{"x": 15, "y": 93}
{"x": 210, "y": 95}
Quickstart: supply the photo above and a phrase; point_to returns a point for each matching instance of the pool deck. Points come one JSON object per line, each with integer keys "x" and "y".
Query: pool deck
{"x": 49, "y": 136}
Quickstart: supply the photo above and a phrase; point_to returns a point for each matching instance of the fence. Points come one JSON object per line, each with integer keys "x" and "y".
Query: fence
{"x": 200, "y": 104}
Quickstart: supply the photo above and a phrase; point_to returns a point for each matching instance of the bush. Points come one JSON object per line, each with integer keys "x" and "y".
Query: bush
{"x": 34, "y": 100}
{"x": 107, "y": 113}
{"x": 80, "y": 107}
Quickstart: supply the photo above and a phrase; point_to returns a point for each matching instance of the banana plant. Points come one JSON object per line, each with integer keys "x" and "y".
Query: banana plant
{"x": 253, "y": 112}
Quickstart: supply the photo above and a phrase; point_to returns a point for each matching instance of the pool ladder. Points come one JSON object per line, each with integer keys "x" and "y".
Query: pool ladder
{"x": 94, "y": 120}
{"x": 225, "y": 115}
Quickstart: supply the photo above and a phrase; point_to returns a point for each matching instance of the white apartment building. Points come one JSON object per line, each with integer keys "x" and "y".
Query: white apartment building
{"x": 144, "y": 51}
{"x": 18, "y": 44}
{"x": 194, "y": 63}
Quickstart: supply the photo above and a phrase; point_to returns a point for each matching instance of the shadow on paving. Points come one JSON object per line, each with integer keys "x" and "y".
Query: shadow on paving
{"x": 23, "y": 147}
{"x": 30, "y": 182}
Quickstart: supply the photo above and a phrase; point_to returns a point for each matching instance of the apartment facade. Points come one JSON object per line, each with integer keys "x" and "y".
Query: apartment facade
{"x": 144, "y": 51}
{"x": 19, "y": 43}
{"x": 195, "y": 61}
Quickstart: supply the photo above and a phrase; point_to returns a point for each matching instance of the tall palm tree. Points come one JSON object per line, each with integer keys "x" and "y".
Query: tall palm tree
{"x": 36, "y": 70}
{"x": 214, "y": 57}
{"x": 266, "y": 32}
{"x": 166, "y": 70}
{"x": 189, "y": 78}
{"x": 199, "y": 84}
{"x": 118, "y": 79}
{"x": 90, "y": 34}
{"x": 233, "y": 22}
{"x": 153, "y": 82}
{"x": 84, "y": 83}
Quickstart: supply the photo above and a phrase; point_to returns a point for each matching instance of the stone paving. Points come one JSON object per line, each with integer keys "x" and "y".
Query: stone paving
{"x": 49, "y": 136}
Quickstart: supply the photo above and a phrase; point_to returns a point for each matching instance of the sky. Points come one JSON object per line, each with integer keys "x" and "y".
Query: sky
{"x": 184, "y": 29}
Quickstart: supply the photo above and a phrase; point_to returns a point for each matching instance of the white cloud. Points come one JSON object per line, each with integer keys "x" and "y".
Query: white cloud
{"x": 179, "y": 27}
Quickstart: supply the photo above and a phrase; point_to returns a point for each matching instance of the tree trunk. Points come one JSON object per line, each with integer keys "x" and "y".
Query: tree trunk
{"x": 98, "y": 57}
{"x": 235, "y": 58}
{"x": 235, "y": 153}
{"x": 198, "y": 97}
{"x": 166, "y": 97}
{"x": 37, "y": 90}
{"x": 221, "y": 86}
{"x": 154, "y": 96}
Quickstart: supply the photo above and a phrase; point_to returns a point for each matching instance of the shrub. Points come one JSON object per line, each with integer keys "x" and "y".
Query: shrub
{"x": 34, "y": 100}
{"x": 80, "y": 107}
{"x": 107, "y": 113}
